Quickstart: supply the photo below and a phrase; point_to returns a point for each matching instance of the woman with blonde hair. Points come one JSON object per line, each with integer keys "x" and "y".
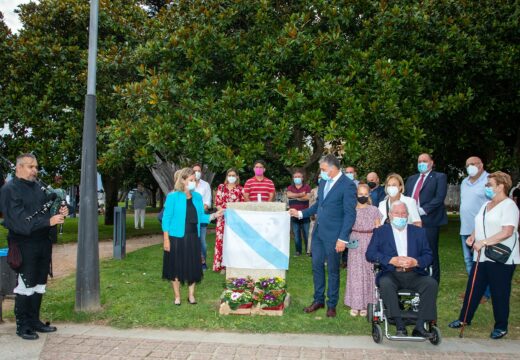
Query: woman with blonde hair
{"x": 183, "y": 214}
{"x": 228, "y": 192}
{"x": 394, "y": 188}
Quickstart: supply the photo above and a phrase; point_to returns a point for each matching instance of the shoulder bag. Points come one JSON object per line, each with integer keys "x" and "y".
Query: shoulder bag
{"x": 499, "y": 252}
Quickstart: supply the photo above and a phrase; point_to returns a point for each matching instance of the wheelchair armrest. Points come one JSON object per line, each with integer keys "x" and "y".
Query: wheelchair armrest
{"x": 377, "y": 267}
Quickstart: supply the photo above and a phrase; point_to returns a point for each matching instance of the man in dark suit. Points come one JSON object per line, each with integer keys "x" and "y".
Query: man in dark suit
{"x": 403, "y": 252}
{"x": 428, "y": 188}
{"x": 336, "y": 213}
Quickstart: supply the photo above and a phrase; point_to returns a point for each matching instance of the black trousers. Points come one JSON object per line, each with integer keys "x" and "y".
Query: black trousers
{"x": 498, "y": 277}
{"x": 432, "y": 234}
{"x": 426, "y": 286}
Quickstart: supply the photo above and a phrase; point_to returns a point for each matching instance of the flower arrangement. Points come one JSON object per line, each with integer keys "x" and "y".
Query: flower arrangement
{"x": 270, "y": 300}
{"x": 268, "y": 284}
{"x": 236, "y": 299}
{"x": 240, "y": 284}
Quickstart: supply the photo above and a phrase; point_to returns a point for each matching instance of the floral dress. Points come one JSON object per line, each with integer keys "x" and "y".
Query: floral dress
{"x": 359, "y": 290}
{"x": 224, "y": 196}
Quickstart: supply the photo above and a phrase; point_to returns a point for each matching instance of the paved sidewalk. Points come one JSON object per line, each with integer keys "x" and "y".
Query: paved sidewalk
{"x": 77, "y": 341}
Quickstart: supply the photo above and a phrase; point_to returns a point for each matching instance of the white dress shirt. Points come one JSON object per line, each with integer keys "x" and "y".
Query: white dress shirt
{"x": 421, "y": 210}
{"x": 204, "y": 189}
{"x": 401, "y": 240}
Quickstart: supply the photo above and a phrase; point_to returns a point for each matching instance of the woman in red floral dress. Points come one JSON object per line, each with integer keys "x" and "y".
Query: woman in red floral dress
{"x": 230, "y": 191}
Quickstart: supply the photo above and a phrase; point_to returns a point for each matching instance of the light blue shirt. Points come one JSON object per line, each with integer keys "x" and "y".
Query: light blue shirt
{"x": 472, "y": 197}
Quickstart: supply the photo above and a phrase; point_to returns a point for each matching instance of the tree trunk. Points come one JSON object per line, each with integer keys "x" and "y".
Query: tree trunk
{"x": 161, "y": 200}
{"x": 111, "y": 186}
{"x": 163, "y": 172}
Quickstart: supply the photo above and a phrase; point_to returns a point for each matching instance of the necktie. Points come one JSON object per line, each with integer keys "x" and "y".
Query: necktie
{"x": 327, "y": 188}
{"x": 418, "y": 188}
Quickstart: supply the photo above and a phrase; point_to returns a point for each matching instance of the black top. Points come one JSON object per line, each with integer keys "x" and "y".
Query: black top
{"x": 20, "y": 199}
{"x": 191, "y": 218}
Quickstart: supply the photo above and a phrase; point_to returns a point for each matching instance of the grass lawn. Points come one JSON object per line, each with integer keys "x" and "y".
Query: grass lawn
{"x": 133, "y": 294}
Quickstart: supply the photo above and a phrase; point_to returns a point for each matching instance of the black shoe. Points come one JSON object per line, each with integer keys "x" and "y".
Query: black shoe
{"x": 45, "y": 328}
{"x": 421, "y": 333}
{"x": 497, "y": 334}
{"x": 27, "y": 334}
{"x": 401, "y": 332}
{"x": 192, "y": 303}
{"x": 456, "y": 324}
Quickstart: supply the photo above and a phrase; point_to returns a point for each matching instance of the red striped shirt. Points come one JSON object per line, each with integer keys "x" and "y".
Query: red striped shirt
{"x": 253, "y": 187}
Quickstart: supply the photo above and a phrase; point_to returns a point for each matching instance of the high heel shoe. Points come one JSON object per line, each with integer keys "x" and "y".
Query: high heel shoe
{"x": 192, "y": 302}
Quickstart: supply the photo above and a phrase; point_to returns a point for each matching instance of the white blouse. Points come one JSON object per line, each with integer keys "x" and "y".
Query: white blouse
{"x": 413, "y": 211}
{"x": 505, "y": 213}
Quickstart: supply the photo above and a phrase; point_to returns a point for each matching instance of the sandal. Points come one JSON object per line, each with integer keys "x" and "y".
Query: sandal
{"x": 353, "y": 312}
{"x": 363, "y": 313}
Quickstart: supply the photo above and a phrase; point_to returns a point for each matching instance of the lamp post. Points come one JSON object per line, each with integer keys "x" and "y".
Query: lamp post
{"x": 87, "y": 275}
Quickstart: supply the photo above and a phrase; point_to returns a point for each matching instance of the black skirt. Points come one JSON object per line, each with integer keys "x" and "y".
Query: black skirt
{"x": 184, "y": 260}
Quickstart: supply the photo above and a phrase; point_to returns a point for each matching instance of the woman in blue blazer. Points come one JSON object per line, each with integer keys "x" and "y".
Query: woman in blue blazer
{"x": 183, "y": 214}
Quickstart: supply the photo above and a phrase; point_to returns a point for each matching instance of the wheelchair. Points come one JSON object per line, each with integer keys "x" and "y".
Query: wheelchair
{"x": 409, "y": 304}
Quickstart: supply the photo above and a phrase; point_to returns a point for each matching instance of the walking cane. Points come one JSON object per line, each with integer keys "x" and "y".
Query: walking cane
{"x": 461, "y": 335}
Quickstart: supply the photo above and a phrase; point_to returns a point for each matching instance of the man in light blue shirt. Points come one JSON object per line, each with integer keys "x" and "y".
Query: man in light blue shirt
{"x": 472, "y": 197}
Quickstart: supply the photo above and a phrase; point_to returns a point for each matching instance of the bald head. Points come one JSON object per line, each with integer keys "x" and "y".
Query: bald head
{"x": 474, "y": 167}
{"x": 372, "y": 180}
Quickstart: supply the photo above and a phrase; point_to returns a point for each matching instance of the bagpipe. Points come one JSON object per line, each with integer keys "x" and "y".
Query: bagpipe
{"x": 56, "y": 198}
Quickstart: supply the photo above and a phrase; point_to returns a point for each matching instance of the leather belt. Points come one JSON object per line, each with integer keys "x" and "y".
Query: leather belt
{"x": 400, "y": 269}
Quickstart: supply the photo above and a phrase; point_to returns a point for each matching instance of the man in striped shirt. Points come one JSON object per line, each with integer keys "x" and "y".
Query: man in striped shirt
{"x": 259, "y": 188}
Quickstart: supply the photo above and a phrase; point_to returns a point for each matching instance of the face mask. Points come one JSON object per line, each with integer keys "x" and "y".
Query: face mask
{"x": 392, "y": 191}
{"x": 231, "y": 179}
{"x": 197, "y": 175}
{"x": 371, "y": 184}
{"x": 472, "y": 170}
{"x": 297, "y": 181}
{"x": 259, "y": 171}
{"x": 490, "y": 193}
{"x": 399, "y": 222}
{"x": 350, "y": 176}
{"x": 324, "y": 175}
{"x": 191, "y": 185}
{"x": 422, "y": 167}
{"x": 362, "y": 199}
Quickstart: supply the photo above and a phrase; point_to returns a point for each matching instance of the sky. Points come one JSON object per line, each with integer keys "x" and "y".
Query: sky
{"x": 7, "y": 8}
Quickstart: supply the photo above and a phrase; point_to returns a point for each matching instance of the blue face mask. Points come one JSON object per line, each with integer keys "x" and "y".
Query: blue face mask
{"x": 399, "y": 222}
{"x": 324, "y": 175}
{"x": 490, "y": 193}
{"x": 422, "y": 167}
{"x": 191, "y": 185}
{"x": 297, "y": 181}
{"x": 350, "y": 176}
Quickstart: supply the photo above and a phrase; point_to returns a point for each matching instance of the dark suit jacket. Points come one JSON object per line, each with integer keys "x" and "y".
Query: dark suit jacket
{"x": 377, "y": 195}
{"x": 337, "y": 212}
{"x": 431, "y": 197}
{"x": 382, "y": 248}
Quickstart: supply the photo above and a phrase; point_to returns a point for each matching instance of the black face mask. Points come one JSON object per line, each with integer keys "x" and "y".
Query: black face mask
{"x": 362, "y": 199}
{"x": 371, "y": 184}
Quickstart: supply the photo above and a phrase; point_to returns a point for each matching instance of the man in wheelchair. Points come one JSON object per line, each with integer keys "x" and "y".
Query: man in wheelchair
{"x": 403, "y": 252}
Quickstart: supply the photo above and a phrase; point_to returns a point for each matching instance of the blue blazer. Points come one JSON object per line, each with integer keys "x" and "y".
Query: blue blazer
{"x": 174, "y": 216}
{"x": 382, "y": 248}
{"x": 336, "y": 213}
{"x": 431, "y": 197}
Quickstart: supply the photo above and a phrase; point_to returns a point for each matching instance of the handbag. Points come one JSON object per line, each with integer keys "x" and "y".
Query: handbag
{"x": 14, "y": 256}
{"x": 499, "y": 252}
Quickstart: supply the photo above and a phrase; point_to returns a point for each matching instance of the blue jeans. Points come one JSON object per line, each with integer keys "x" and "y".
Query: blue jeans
{"x": 299, "y": 227}
{"x": 203, "y": 246}
{"x": 468, "y": 260}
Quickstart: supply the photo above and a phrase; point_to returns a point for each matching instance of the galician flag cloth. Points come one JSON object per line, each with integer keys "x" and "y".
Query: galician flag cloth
{"x": 256, "y": 239}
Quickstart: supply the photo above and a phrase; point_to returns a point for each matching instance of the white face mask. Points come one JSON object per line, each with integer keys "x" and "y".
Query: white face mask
{"x": 472, "y": 170}
{"x": 231, "y": 179}
{"x": 392, "y": 191}
{"x": 197, "y": 175}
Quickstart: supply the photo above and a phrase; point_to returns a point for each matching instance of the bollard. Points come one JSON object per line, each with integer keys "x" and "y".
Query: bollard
{"x": 119, "y": 233}
{"x": 7, "y": 279}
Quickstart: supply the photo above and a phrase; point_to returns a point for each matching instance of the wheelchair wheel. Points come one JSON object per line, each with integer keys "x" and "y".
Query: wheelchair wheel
{"x": 436, "y": 339}
{"x": 370, "y": 312}
{"x": 377, "y": 333}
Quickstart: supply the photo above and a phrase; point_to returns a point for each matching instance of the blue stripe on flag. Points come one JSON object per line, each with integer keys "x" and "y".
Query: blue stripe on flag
{"x": 252, "y": 238}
